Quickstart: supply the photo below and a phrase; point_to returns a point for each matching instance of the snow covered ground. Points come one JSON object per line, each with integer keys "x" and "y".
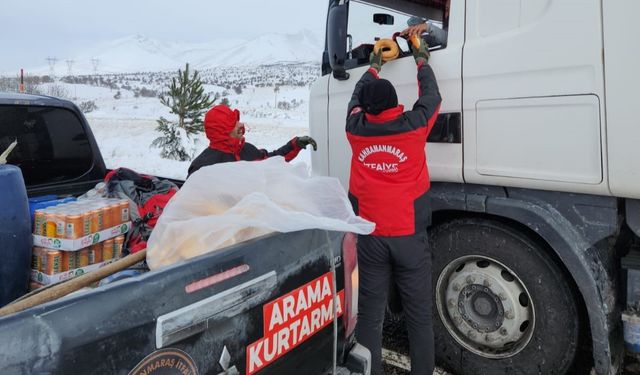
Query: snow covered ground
{"x": 273, "y": 101}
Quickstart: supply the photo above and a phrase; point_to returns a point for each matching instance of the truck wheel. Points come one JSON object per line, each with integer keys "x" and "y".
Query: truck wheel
{"x": 502, "y": 305}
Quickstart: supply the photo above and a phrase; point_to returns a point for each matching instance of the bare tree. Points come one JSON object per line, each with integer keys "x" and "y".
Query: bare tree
{"x": 276, "y": 90}
{"x": 57, "y": 91}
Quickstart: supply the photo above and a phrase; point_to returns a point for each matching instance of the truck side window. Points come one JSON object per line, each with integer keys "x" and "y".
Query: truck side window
{"x": 364, "y": 32}
{"x": 52, "y": 143}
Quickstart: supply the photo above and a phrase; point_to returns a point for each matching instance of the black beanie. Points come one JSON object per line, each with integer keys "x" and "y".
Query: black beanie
{"x": 378, "y": 95}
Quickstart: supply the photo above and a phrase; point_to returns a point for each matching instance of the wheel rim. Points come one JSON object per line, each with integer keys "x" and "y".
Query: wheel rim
{"x": 485, "y": 306}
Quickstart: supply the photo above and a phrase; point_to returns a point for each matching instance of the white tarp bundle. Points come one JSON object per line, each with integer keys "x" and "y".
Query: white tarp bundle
{"x": 229, "y": 203}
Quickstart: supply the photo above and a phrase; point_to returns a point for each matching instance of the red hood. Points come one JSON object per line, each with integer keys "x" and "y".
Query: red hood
{"x": 218, "y": 123}
{"x": 386, "y": 115}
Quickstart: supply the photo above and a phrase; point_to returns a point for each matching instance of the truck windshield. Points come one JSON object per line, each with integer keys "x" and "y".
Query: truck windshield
{"x": 52, "y": 144}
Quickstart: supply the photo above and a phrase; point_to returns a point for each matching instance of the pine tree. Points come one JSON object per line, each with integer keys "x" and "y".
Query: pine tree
{"x": 187, "y": 100}
{"x": 170, "y": 143}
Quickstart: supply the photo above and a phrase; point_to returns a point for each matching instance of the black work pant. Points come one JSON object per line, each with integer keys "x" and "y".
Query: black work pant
{"x": 406, "y": 261}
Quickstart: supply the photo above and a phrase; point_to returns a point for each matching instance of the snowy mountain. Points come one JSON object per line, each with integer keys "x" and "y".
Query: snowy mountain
{"x": 268, "y": 49}
{"x": 142, "y": 54}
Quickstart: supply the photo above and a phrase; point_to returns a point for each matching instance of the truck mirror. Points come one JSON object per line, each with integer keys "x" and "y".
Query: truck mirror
{"x": 383, "y": 19}
{"x": 337, "y": 40}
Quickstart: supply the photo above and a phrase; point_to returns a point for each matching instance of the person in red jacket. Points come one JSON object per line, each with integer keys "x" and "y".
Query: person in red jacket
{"x": 226, "y": 141}
{"x": 388, "y": 185}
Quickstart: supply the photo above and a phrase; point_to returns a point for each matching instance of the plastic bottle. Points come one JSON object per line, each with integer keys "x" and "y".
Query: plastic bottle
{"x": 15, "y": 235}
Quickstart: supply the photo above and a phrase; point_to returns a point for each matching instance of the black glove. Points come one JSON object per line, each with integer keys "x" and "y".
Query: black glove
{"x": 375, "y": 60}
{"x": 421, "y": 54}
{"x": 303, "y": 142}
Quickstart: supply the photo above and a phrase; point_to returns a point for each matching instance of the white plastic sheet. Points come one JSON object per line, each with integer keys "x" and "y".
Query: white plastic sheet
{"x": 227, "y": 203}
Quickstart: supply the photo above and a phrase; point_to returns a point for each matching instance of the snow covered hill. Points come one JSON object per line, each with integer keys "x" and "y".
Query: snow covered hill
{"x": 268, "y": 49}
{"x": 142, "y": 54}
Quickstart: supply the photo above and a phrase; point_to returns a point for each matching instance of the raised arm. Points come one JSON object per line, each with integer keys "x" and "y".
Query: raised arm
{"x": 426, "y": 108}
{"x": 292, "y": 148}
{"x": 431, "y": 33}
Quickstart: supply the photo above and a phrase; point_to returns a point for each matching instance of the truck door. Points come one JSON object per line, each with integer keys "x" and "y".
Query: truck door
{"x": 444, "y": 147}
{"x": 621, "y": 55}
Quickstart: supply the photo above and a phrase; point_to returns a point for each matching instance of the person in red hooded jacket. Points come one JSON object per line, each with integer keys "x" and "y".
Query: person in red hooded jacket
{"x": 226, "y": 141}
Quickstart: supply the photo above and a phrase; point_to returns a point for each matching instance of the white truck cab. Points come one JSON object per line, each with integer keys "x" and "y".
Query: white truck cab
{"x": 534, "y": 169}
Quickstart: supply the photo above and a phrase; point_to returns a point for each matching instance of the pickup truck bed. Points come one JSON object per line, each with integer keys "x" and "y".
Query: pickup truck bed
{"x": 111, "y": 329}
{"x": 278, "y": 304}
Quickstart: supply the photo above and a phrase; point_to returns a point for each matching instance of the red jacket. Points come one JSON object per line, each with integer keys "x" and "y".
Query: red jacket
{"x": 389, "y": 176}
{"x": 218, "y": 123}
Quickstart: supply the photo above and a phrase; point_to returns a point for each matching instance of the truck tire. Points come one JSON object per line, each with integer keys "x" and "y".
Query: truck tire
{"x": 502, "y": 306}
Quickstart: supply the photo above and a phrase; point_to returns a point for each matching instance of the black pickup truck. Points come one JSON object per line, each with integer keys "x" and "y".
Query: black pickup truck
{"x": 279, "y": 304}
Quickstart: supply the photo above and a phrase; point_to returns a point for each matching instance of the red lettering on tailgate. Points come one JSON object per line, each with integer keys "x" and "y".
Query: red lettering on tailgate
{"x": 292, "y": 319}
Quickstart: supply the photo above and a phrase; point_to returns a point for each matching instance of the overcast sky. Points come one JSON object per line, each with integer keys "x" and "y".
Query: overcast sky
{"x": 31, "y": 30}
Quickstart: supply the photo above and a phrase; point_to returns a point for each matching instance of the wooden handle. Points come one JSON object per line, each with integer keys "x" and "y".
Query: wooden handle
{"x": 74, "y": 284}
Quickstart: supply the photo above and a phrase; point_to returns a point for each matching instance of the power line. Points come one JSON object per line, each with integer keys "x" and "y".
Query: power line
{"x": 69, "y": 66}
{"x": 52, "y": 65}
{"x": 95, "y": 63}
